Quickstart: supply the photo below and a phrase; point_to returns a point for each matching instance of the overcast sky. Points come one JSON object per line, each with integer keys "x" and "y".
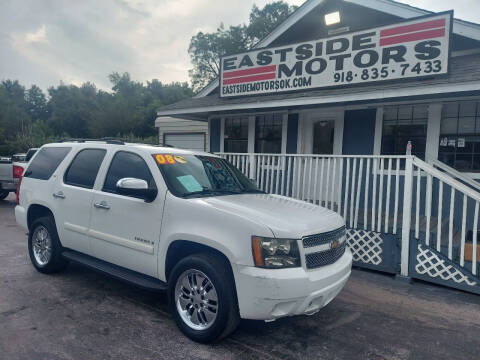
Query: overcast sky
{"x": 44, "y": 42}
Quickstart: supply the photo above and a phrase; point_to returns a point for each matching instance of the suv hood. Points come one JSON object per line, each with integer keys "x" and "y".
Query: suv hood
{"x": 286, "y": 217}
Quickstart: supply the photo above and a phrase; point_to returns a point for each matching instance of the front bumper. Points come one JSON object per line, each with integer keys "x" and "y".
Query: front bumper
{"x": 265, "y": 294}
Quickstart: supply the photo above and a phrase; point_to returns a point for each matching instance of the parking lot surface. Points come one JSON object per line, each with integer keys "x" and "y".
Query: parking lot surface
{"x": 79, "y": 314}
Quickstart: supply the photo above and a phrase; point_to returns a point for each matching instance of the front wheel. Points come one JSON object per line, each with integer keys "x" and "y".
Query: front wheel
{"x": 202, "y": 297}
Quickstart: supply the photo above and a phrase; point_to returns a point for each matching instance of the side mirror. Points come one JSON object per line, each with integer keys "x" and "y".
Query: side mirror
{"x": 137, "y": 188}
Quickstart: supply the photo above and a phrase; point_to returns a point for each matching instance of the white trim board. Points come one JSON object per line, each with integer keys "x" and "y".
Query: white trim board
{"x": 404, "y": 11}
{"x": 334, "y": 99}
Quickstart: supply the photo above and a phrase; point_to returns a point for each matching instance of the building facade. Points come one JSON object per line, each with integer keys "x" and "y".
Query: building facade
{"x": 330, "y": 106}
{"x": 438, "y": 114}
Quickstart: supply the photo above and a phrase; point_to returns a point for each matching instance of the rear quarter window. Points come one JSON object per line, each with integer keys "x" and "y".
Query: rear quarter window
{"x": 46, "y": 162}
{"x": 83, "y": 170}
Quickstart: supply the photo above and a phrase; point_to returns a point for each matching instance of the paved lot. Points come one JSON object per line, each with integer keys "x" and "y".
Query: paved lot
{"x": 79, "y": 314}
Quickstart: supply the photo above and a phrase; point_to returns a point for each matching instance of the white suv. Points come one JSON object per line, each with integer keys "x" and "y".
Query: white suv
{"x": 185, "y": 222}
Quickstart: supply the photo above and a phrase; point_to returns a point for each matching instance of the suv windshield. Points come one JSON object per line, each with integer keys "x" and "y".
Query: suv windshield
{"x": 199, "y": 175}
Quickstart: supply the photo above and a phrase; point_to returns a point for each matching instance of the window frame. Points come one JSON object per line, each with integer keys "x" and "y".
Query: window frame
{"x": 401, "y": 122}
{"x": 316, "y": 123}
{"x": 71, "y": 163}
{"x": 241, "y": 119}
{"x": 275, "y": 117}
{"x": 475, "y": 172}
{"x": 102, "y": 189}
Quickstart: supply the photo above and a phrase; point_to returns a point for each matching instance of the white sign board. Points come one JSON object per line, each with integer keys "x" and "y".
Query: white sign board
{"x": 409, "y": 49}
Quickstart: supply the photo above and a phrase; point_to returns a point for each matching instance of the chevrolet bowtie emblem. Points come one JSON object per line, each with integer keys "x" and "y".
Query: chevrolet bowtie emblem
{"x": 334, "y": 244}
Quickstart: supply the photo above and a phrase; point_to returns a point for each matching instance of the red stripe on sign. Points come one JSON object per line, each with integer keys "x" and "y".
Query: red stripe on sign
{"x": 257, "y": 70}
{"x": 413, "y": 27}
{"x": 421, "y": 35}
{"x": 253, "y": 78}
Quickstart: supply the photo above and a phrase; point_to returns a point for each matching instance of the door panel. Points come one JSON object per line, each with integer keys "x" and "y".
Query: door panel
{"x": 359, "y": 132}
{"x": 73, "y": 195}
{"x": 127, "y": 232}
{"x": 73, "y": 215}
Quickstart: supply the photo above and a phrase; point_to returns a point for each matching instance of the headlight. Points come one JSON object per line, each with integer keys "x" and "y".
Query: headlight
{"x": 275, "y": 253}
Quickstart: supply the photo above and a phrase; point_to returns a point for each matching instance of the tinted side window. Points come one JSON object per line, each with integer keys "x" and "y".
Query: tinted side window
{"x": 46, "y": 162}
{"x": 124, "y": 165}
{"x": 30, "y": 154}
{"x": 84, "y": 168}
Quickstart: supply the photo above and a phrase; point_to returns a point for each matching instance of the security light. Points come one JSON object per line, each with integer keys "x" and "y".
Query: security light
{"x": 332, "y": 18}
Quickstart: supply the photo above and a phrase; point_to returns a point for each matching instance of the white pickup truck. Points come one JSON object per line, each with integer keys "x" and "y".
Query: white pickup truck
{"x": 11, "y": 170}
{"x": 185, "y": 222}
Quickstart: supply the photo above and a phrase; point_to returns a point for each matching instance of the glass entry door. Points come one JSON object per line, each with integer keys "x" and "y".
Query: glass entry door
{"x": 323, "y": 136}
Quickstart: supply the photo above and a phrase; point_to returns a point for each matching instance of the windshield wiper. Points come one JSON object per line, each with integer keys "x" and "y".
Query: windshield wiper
{"x": 254, "y": 191}
{"x": 208, "y": 191}
{"x": 243, "y": 191}
{"x": 204, "y": 191}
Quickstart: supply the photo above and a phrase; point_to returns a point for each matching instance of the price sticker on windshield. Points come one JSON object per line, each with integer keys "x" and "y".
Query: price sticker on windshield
{"x": 163, "y": 159}
{"x": 180, "y": 159}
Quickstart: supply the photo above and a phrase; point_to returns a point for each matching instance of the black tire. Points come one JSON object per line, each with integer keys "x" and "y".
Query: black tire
{"x": 3, "y": 195}
{"x": 57, "y": 262}
{"x": 218, "y": 271}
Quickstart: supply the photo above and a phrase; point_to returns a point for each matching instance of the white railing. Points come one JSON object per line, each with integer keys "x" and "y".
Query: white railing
{"x": 448, "y": 199}
{"x": 455, "y": 173}
{"x": 345, "y": 184}
{"x": 380, "y": 194}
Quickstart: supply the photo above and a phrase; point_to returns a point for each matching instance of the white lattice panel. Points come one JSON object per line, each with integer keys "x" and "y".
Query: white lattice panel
{"x": 366, "y": 246}
{"x": 431, "y": 264}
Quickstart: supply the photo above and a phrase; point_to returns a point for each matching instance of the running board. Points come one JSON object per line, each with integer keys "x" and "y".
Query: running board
{"x": 115, "y": 271}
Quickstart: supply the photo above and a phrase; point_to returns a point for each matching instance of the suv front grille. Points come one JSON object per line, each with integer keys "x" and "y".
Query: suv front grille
{"x": 332, "y": 245}
{"x": 323, "y": 238}
{"x": 323, "y": 258}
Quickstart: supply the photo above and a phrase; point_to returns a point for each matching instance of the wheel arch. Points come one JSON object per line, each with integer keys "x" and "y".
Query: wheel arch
{"x": 179, "y": 249}
{"x": 35, "y": 211}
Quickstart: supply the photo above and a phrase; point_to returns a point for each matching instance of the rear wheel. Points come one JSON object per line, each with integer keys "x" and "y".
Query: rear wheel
{"x": 202, "y": 297}
{"x": 44, "y": 246}
{"x": 3, "y": 194}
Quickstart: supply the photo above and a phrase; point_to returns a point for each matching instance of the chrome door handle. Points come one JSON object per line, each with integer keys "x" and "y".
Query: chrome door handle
{"x": 59, "y": 195}
{"x": 101, "y": 205}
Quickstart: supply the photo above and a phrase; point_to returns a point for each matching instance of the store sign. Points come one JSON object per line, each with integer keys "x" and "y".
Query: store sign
{"x": 410, "y": 49}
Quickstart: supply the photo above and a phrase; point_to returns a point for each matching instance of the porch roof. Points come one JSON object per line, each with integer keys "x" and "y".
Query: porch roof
{"x": 464, "y": 78}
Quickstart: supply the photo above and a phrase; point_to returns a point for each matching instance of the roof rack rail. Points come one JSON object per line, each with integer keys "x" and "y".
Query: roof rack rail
{"x": 106, "y": 140}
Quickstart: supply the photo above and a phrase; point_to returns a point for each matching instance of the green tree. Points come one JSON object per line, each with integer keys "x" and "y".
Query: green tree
{"x": 71, "y": 109}
{"x": 263, "y": 21}
{"x": 36, "y": 103}
{"x": 28, "y": 118}
{"x": 13, "y": 116}
{"x": 205, "y": 49}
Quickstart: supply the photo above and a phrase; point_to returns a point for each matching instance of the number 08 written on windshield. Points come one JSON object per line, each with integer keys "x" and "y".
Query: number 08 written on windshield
{"x": 385, "y": 72}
